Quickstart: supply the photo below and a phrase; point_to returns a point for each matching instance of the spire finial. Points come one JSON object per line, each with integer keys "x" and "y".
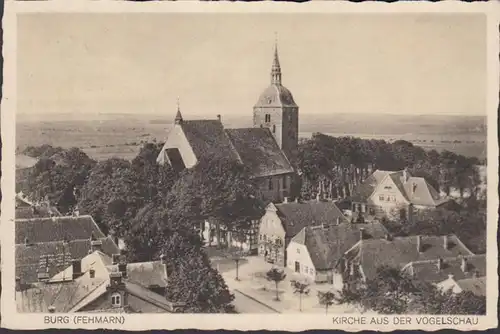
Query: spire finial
{"x": 178, "y": 116}
{"x": 276, "y": 68}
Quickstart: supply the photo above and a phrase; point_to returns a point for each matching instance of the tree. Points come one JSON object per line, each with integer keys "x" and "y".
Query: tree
{"x": 326, "y": 299}
{"x": 300, "y": 288}
{"x": 57, "y": 178}
{"x": 276, "y": 275}
{"x": 192, "y": 279}
{"x": 217, "y": 190}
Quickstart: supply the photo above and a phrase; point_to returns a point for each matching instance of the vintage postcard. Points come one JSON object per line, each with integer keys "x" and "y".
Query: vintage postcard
{"x": 250, "y": 166}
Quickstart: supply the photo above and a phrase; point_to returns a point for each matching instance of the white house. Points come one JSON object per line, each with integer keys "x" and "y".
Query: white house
{"x": 315, "y": 251}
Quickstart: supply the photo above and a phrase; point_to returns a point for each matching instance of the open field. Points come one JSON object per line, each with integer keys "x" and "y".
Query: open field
{"x": 122, "y": 135}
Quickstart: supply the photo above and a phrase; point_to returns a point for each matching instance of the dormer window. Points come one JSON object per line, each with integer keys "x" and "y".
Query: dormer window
{"x": 116, "y": 299}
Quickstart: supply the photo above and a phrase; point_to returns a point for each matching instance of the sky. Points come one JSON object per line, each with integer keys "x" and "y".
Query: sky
{"x": 219, "y": 63}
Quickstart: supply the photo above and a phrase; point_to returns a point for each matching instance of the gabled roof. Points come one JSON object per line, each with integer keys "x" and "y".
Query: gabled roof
{"x": 39, "y": 230}
{"x": 73, "y": 295}
{"x": 416, "y": 190}
{"x": 54, "y": 256}
{"x": 207, "y": 137}
{"x": 367, "y": 187}
{"x": 259, "y": 151}
{"x": 296, "y": 216}
{"x": 428, "y": 270}
{"x": 327, "y": 245}
{"x": 399, "y": 251}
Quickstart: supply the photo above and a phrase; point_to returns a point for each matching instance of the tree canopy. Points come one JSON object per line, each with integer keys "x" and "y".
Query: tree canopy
{"x": 394, "y": 292}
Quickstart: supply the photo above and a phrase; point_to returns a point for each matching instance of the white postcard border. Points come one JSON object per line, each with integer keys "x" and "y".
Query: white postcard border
{"x": 293, "y": 322}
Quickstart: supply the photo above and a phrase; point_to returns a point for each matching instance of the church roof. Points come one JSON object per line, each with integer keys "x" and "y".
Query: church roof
{"x": 207, "y": 137}
{"x": 259, "y": 151}
{"x": 276, "y": 95}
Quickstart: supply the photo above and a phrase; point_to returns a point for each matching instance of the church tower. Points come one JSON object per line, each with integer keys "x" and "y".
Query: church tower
{"x": 277, "y": 110}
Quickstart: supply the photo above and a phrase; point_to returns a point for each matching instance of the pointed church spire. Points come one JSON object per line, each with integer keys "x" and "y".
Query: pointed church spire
{"x": 276, "y": 68}
{"x": 178, "y": 117}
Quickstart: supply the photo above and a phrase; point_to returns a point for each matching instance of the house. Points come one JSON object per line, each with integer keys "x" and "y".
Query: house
{"x": 464, "y": 273}
{"x": 99, "y": 283}
{"x": 395, "y": 194}
{"x": 282, "y": 221}
{"x": 366, "y": 256}
{"x": 315, "y": 251}
{"x": 44, "y": 246}
{"x": 268, "y": 149}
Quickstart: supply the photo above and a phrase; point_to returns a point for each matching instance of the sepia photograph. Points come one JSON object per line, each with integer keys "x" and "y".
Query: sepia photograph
{"x": 329, "y": 164}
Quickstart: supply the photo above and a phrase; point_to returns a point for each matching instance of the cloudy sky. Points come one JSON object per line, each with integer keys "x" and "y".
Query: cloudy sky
{"x": 219, "y": 63}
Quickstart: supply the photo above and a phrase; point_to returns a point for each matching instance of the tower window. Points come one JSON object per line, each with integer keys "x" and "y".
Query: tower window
{"x": 116, "y": 299}
{"x": 274, "y": 128}
{"x": 268, "y": 118}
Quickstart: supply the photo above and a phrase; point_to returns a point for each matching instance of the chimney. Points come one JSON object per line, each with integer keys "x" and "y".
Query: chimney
{"x": 439, "y": 264}
{"x": 122, "y": 268}
{"x": 92, "y": 273}
{"x": 464, "y": 265}
{"x": 115, "y": 278}
{"x": 163, "y": 259}
{"x": 115, "y": 258}
{"x": 414, "y": 187}
{"x": 361, "y": 233}
{"x": 285, "y": 199}
{"x": 405, "y": 174}
{"x": 26, "y": 241}
{"x": 338, "y": 220}
{"x": 388, "y": 237}
{"x": 96, "y": 245}
{"x": 18, "y": 283}
{"x": 419, "y": 244}
{"x": 318, "y": 197}
{"x": 77, "y": 268}
{"x": 219, "y": 118}
{"x": 297, "y": 199}
{"x": 51, "y": 309}
{"x": 445, "y": 242}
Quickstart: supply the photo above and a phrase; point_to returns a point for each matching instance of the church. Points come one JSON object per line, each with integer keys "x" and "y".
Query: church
{"x": 268, "y": 149}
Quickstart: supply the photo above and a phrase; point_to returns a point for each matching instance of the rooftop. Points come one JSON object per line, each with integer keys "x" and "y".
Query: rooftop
{"x": 327, "y": 245}
{"x": 429, "y": 271}
{"x": 72, "y": 294}
{"x": 399, "y": 251}
{"x": 296, "y": 216}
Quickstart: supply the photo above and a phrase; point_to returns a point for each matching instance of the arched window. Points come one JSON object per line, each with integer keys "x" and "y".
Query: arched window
{"x": 268, "y": 118}
{"x": 116, "y": 299}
